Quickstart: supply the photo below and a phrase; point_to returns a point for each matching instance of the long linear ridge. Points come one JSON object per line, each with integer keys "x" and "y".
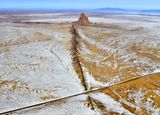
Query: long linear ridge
{"x": 75, "y": 46}
{"x": 78, "y": 94}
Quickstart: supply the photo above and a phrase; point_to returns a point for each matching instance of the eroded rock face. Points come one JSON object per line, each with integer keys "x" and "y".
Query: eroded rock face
{"x": 83, "y": 19}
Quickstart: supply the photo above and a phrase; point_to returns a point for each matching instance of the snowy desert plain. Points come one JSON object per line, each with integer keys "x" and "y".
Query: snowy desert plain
{"x": 43, "y": 59}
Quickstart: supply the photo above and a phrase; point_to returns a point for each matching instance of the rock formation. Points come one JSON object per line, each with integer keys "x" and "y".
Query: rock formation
{"x": 83, "y": 20}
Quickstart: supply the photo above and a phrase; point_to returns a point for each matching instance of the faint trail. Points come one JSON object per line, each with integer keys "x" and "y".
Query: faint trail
{"x": 65, "y": 67}
{"x": 78, "y": 94}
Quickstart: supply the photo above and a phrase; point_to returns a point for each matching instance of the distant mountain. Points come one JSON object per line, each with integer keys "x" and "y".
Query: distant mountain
{"x": 128, "y": 10}
{"x": 115, "y": 10}
{"x": 152, "y": 11}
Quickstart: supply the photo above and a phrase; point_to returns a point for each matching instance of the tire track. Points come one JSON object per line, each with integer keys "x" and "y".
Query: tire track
{"x": 59, "y": 59}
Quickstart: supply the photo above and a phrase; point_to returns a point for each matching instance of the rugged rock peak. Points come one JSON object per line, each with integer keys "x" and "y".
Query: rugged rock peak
{"x": 83, "y": 19}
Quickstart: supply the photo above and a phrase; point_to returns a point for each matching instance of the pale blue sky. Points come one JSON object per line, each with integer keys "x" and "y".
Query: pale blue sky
{"x": 79, "y": 4}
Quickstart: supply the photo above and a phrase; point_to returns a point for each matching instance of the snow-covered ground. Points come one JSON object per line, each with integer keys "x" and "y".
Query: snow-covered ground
{"x": 35, "y": 71}
{"x": 36, "y": 62}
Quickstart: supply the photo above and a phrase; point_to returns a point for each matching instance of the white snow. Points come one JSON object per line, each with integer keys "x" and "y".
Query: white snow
{"x": 39, "y": 69}
{"x": 110, "y": 103}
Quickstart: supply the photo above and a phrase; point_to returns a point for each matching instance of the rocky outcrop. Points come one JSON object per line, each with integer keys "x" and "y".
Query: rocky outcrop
{"x": 83, "y": 20}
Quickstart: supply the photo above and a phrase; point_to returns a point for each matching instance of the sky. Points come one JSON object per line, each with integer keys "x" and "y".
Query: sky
{"x": 79, "y": 4}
